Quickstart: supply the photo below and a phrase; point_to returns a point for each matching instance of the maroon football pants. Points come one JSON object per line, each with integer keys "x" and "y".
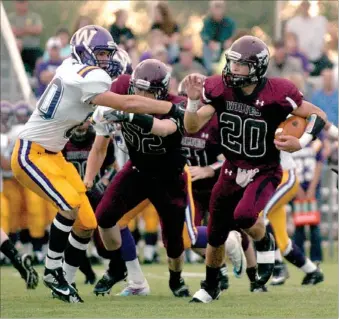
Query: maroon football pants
{"x": 233, "y": 207}
{"x": 168, "y": 195}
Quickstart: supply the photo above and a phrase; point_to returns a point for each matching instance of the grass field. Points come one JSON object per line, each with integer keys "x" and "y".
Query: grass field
{"x": 288, "y": 301}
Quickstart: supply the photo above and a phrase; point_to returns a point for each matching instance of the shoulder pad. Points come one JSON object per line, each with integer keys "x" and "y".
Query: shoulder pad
{"x": 121, "y": 84}
{"x": 212, "y": 88}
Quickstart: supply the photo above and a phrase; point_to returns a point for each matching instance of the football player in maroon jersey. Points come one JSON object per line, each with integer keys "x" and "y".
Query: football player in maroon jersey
{"x": 249, "y": 107}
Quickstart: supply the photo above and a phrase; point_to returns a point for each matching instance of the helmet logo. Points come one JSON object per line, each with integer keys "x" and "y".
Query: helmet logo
{"x": 234, "y": 55}
{"x": 167, "y": 79}
{"x": 85, "y": 36}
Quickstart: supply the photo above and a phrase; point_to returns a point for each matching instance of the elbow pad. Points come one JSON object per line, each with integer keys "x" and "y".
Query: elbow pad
{"x": 315, "y": 124}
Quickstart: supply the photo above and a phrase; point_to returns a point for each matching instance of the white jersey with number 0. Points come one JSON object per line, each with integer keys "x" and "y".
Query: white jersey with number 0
{"x": 65, "y": 104}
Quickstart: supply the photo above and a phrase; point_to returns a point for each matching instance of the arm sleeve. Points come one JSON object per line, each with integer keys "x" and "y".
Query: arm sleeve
{"x": 95, "y": 82}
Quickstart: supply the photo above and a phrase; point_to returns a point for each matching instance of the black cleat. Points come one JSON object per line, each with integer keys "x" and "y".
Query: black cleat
{"x": 280, "y": 274}
{"x": 55, "y": 280}
{"x": 265, "y": 260}
{"x": 257, "y": 287}
{"x": 180, "y": 289}
{"x": 206, "y": 294}
{"x": 27, "y": 271}
{"x": 313, "y": 278}
{"x": 105, "y": 284}
{"x": 223, "y": 278}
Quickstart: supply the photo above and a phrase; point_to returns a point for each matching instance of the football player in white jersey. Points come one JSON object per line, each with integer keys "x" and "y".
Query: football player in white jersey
{"x": 80, "y": 83}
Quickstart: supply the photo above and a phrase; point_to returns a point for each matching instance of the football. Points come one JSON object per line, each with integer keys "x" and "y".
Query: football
{"x": 294, "y": 126}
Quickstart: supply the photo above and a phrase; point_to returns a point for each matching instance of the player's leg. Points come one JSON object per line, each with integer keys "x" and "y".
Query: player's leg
{"x": 22, "y": 263}
{"x": 43, "y": 173}
{"x": 151, "y": 219}
{"x": 169, "y": 197}
{"x": 122, "y": 195}
{"x": 275, "y": 212}
{"x": 4, "y": 212}
{"x": 246, "y": 216}
{"x": 224, "y": 199}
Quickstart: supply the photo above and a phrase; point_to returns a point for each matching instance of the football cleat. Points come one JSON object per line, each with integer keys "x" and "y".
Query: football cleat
{"x": 265, "y": 261}
{"x": 72, "y": 298}
{"x": 27, "y": 271}
{"x": 105, "y": 284}
{"x": 280, "y": 274}
{"x": 180, "y": 289}
{"x": 313, "y": 278}
{"x": 133, "y": 289}
{"x": 206, "y": 294}
{"x": 223, "y": 278}
{"x": 235, "y": 253}
{"x": 55, "y": 280}
{"x": 257, "y": 287}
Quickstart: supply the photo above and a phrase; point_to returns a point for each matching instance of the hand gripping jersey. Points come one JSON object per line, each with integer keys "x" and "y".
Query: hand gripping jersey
{"x": 247, "y": 124}
{"x": 150, "y": 153}
{"x": 65, "y": 104}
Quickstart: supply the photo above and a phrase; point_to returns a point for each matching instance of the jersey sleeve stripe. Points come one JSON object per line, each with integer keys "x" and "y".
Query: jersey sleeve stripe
{"x": 292, "y": 102}
{"x": 84, "y": 71}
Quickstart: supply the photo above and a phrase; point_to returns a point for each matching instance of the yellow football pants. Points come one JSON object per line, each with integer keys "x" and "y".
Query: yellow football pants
{"x": 4, "y": 213}
{"x": 275, "y": 209}
{"x": 51, "y": 177}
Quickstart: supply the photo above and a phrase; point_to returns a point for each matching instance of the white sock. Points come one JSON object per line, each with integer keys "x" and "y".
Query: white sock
{"x": 54, "y": 260}
{"x": 277, "y": 255}
{"x": 135, "y": 273}
{"x": 70, "y": 272}
{"x": 149, "y": 251}
{"x": 309, "y": 266}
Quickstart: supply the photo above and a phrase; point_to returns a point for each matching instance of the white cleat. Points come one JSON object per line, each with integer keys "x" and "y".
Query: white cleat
{"x": 133, "y": 289}
{"x": 235, "y": 253}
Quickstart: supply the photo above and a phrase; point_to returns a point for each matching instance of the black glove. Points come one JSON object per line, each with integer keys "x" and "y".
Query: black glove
{"x": 118, "y": 116}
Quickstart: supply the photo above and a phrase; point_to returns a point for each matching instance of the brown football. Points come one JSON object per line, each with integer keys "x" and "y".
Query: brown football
{"x": 294, "y": 126}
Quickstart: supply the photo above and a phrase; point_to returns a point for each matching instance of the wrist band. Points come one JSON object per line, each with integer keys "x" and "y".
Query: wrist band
{"x": 333, "y": 131}
{"x": 305, "y": 139}
{"x": 192, "y": 105}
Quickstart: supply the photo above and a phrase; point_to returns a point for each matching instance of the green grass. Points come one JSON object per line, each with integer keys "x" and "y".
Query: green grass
{"x": 288, "y": 301}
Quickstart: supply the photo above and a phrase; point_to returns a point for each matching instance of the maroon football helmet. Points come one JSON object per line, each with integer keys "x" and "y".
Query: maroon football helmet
{"x": 152, "y": 76}
{"x": 247, "y": 50}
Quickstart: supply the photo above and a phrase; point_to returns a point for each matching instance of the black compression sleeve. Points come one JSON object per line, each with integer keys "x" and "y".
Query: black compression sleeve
{"x": 145, "y": 121}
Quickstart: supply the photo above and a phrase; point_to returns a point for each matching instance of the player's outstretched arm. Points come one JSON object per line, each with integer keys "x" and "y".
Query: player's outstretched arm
{"x": 132, "y": 103}
{"x": 95, "y": 159}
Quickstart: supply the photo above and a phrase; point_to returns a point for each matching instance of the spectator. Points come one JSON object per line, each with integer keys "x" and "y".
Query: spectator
{"x": 327, "y": 97}
{"x": 82, "y": 21}
{"x": 164, "y": 21}
{"x": 299, "y": 81}
{"x": 186, "y": 43}
{"x": 121, "y": 34}
{"x": 281, "y": 64}
{"x": 155, "y": 40}
{"x": 63, "y": 35}
{"x": 160, "y": 53}
{"x": 46, "y": 70}
{"x": 27, "y": 27}
{"x": 310, "y": 32}
{"x": 292, "y": 48}
{"x": 186, "y": 66}
{"x": 217, "y": 29}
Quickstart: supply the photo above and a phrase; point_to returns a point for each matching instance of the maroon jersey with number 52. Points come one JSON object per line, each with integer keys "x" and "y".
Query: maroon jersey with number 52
{"x": 247, "y": 123}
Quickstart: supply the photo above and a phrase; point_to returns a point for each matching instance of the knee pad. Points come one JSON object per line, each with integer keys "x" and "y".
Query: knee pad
{"x": 175, "y": 250}
{"x": 216, "y": 238}
{"x": 244, "y": 218}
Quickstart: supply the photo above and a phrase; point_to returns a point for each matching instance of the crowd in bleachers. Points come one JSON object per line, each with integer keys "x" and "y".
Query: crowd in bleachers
{"x": 300, "y": 54}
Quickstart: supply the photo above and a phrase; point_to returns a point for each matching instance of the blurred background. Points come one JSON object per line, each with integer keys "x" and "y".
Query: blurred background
{"x": 190, "y": 36}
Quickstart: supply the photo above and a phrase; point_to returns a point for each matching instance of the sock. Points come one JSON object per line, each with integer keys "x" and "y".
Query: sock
{"x": 262, "y": 244}
{"x": 116, "y": 265}
{"x": 60, "y": 229}
{"x": 309, "y": 267}
{"x": 10, "y": 252}
{"x": 135, "y": 273}
{"x": 151, "y": 240}
{"x": 37, "y": 244}
{"x": 128, "y": 249}
{"x": 13, "y": 237}
{"x": 294, "y": 255}
{"x": 25, "y": 237}
{"x": 136, "y": 235}
{"x": 75, "y": 253}
{"x": 251, "y": 273}
{"x": 201, "y": 241}
{"x": 277, "y": 256}
{"x": 86, "y": 268}
{"x": 174, "y": 278}
{"x": 212, "y": 276}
